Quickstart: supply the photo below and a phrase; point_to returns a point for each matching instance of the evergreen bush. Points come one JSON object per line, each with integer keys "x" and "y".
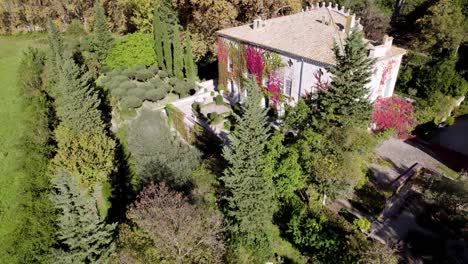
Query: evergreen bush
{"x": 147, "y": 86}
{"x": 144, "y": 75}
{"x": 155, "y": 95}
{"x": 130, "y": 73}
{"x": 126, "y": 85}
{"x": 131, "y": 102}
{"x": 450, "y": 121}
{"x": 137, "y": 92}
{"x": 119, "y": 92}
{"x": 219, "y": 100}
{"x": 163, "y": 74}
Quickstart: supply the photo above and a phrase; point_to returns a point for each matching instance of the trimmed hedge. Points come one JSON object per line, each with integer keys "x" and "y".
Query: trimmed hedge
{"x": 137, "y": 92}
{"x": 155, "y": 95}
{"x": 131, "y": 102}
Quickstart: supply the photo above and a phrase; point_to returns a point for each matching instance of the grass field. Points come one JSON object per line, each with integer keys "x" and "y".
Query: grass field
{"x": 11, "y": 116}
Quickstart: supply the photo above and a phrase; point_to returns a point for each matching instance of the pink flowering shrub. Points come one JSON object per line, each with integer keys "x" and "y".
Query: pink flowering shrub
{"x": 274, "y": 87}
{"x": 254, "y": 61}
{"x": 396, "y": 113}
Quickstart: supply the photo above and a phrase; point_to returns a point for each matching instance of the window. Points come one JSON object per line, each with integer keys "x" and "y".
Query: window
{"x": 287, "y": 86}
{"x": 266, "y": 81}
{"x": 230, "y": 64}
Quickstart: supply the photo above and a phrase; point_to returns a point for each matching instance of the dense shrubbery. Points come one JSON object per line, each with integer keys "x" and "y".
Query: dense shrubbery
{"x": 160, "y": 156}
{"x": 395, "y": 113}
{"x": 135, "y": 49}
{"x": 134, "y": 85}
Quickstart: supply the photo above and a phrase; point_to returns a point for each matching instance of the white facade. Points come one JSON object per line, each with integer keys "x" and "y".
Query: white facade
{"x": 301, "y": 74}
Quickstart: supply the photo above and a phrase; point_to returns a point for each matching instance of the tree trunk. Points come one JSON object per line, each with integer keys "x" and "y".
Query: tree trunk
{"x": 396, "y": 11}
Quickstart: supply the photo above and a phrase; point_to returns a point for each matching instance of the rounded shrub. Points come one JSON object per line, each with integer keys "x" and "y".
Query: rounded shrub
{"x": 163, "y": 74}
{"x": 130, "y": 73}
{"x": 137, "y": 92}
{"x": 219, "y": 100}
{"x": 154, "y": 69}
{"x": 144, "y": 75}
{"x": 131, "y": 102}
{"x": 174, "y": 81}
{"x": 119, "y": 92}
{"x": 155, "y": 95}
{"x": 147, "y": 86}
{"x": 196, "y": 107}
{"x": 450, "y": 121}
{"x": 127, "y": 85}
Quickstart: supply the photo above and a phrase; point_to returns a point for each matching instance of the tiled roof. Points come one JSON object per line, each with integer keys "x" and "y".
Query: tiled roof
{"x": 302, "y": 34}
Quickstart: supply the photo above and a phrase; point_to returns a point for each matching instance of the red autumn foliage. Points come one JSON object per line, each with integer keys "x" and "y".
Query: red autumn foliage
{"x": 255, "y": 65}
{"x": 274, "y": 87}
{"x": 321, "y": 84}
{"x": 223, "y": 51}
{"x": 394, "y": 112}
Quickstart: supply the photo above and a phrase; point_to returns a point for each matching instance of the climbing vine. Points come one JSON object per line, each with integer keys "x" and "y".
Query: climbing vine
{"x": 223, "y": 53}
{"x": 254, "y": 60}
{"x": 274, "y": 87}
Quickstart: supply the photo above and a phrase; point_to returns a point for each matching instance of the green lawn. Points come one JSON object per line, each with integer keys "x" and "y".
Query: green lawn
{"x": 11, "y": 117}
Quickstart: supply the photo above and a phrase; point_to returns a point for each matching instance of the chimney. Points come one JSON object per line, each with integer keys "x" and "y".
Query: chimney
{"x": 350, "y": 22}
{"x": 258, "y": 23}
{"x": 387, "y": 41}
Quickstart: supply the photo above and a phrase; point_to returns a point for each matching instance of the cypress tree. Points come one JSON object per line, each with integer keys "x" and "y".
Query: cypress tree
{"x": 82, "y": 236}
{"x": 189, "y": 63}
{"x": 345, "y": 102}
{"x": 158, "y": 38}
{"x": 167, "y": 49}
{"x": 76, "y": 102}
{"x": 249, "y": 192}
{"x": 102, "y": 38}
{"x": 55, "y": 52}
{"x": 178, "y": 54}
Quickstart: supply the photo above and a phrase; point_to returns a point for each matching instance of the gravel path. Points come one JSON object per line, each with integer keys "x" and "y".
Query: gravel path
{"x": 404, "y": 155}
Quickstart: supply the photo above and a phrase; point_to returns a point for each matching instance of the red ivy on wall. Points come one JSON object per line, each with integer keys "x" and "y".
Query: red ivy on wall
{"x": 255, "y": 65}
{"x": 387, "y": 70}
{"x": 321, "y": 84}
{"x": 396, "y": 113}
{"x": 223, "y": 51}
{"x": 274, "y": 87}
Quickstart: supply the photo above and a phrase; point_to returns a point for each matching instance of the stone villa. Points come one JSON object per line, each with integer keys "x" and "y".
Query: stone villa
{"x": 291, "y": 53}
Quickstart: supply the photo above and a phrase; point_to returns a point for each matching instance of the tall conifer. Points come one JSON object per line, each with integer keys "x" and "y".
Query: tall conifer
{"x": 345, "y": 102}
{"x": 82, "y": 236}
{"x": 249, "y": 192}
{"x": 178, "y": 54}
{"x": 77, "y": 102}
{"x": 55, "y": 55}
{"x": 158, "y": 38}
{"x": 102, "y": 38}
{"x": 189, "y": 63}
{"x": 167, "y": 49}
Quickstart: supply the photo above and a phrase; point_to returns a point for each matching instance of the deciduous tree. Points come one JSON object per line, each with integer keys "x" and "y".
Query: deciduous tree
{"x": 395, "y": 113}
{"x": 177, "y": 231}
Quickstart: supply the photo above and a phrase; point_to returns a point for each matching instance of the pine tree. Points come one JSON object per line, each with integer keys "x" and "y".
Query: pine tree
{"x": 250, "y": 193}
{"x": 76, "y": 102}
{"x": 55, "y": 52}
{"x": 82, "y": 236}
{"x": 158, "y": 38}
{"x": 345, "y": 102}
{"x": 189, "y": 63}
{"x": 178, "y": 54}
{"x": 167, "y": 49}
{"x": 102, "y": 38}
